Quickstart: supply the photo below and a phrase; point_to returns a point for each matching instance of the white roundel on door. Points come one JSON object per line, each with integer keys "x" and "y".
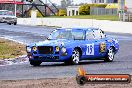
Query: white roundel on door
{"x": 90, "y": 49}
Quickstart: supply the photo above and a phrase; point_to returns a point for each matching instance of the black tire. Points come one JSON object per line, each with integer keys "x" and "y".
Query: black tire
{"x": 35, "y": 63}
{"x": 15, "y": 23}
{"x": 110, "y": 55}
{"x": 75, "y": 58}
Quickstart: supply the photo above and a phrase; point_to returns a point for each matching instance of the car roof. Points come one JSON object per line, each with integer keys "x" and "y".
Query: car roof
{"x": 89, "y": 28}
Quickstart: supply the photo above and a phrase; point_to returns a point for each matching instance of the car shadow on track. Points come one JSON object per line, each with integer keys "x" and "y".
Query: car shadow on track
{"x": 62, "y": 64}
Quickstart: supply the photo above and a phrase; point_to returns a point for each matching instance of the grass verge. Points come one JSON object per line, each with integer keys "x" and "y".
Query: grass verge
{"x": 10, "y": 49}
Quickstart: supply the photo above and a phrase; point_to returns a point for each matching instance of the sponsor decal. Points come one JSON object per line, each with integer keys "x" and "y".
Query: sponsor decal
{"x": 102, "y": 47}
{"x": 90, "y": 49}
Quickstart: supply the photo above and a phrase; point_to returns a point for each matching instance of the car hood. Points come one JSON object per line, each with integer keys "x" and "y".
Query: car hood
{"x": 59, "y": 42}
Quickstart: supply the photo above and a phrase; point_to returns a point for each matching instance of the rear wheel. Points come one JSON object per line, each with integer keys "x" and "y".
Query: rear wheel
{"x": 110, "y": 55}
{"x": 35, "y": 63}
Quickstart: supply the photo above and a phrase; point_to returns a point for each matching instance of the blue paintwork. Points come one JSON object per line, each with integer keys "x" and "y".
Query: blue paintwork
{"x": 70, "y": 45}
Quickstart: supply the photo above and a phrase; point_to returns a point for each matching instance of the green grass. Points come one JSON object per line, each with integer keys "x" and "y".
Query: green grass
{"x": 9, "y": 49}
{"x": 100, "y": 17}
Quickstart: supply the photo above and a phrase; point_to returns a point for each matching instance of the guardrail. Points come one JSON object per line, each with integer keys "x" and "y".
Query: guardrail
{"x": 110, "y": 26}
{"x": 126, "y": 17}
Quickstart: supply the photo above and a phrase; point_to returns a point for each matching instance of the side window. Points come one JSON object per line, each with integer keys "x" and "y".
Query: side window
{"x": 78, "y": 34}
{"x": 102, "y": 34}
{"x": 89, "y": 35}
{"x": 97, "y": 34}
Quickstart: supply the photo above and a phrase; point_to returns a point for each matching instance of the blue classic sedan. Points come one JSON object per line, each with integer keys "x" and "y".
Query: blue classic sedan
{"x": 71, "y": 45}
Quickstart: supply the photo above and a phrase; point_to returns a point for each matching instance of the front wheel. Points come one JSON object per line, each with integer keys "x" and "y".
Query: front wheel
{"x": 110, "y": 55}
{"x": 35, "y": 63}
{"x": 75, "y": 58}
{"x": 15, "y": 23}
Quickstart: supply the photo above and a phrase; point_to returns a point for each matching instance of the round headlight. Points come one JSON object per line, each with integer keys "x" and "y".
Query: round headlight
{"x": 34, "y": 48}
{"x": 28, "y": 49}
{"x": 63, "y": 49}
{"x": 57, "y": 48}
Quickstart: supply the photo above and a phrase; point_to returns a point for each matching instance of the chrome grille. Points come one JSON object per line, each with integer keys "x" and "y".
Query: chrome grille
{"x": 45, "y": 49}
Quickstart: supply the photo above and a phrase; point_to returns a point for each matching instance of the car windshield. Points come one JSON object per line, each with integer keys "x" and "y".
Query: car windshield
{"x": 67, "y": 34}
{"x": 6, "y": 13}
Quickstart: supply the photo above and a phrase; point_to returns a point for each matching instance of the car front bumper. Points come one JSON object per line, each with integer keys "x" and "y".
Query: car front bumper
{"x": 49, "y": 58}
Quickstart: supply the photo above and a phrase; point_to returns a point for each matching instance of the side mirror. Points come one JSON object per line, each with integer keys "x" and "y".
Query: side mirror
{"x": 103, "y": 32}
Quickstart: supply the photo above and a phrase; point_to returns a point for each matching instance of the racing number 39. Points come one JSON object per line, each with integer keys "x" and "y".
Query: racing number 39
{"x": 90, "y": 49}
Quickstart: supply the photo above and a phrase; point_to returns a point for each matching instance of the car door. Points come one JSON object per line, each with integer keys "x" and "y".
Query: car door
{"x": 91, "y": 45}
{"x": 101, "y": 43}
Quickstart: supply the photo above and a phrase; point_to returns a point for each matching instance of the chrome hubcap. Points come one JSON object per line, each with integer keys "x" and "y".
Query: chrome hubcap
{"x": 75, "y": 56}
{"x": 111, "y": 54}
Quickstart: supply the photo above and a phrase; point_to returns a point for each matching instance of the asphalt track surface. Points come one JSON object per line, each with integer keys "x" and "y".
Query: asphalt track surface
{"x": 122, "y": 63}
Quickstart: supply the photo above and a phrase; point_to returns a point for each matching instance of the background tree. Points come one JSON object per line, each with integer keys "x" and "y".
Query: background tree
{"x": 85, "y": 8}
{"x": 66, "y": 3}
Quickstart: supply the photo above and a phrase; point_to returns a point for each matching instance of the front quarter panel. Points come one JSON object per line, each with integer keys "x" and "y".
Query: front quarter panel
{"x": 113, "y": 43}
{"x": 68, "y": 54}
{"x": 116, "y": 44}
